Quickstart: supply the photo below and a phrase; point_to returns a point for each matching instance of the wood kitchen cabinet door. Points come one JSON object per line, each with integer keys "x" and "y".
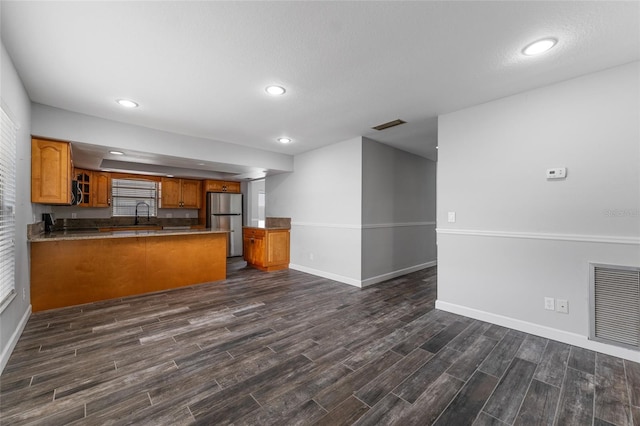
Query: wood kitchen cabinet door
{"x": 51, "y": 172}
{"x": 233, "y": 187}
{"x": 85, "y": 180}
{"x": 278, "y": 248}
{"x": 253, "y": 250}
{"x": 181, "y": 193}
{"x": 101, "y": 182}
{"x": 222, "y": 186}
{"x": 214, "y": 185}
{"x": 170, "y": 193}
{"x": 191, "y": 193}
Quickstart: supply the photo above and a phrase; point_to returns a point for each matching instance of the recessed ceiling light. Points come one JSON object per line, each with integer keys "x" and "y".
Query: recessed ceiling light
{"x": 539, "y": 46}
{"x": 127, "y": 103}
{"x": 201, "y": 164}
{"x": 169, "y": 175}
{"x": 116, "y": 152}
{"x": 284, "y": 140}
{"x": 275, "y": 90}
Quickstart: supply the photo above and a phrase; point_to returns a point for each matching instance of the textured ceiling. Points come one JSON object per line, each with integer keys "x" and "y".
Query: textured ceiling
{"x": 200, "y": 68}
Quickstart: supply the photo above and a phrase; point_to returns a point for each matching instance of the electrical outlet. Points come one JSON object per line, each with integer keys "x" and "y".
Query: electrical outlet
{"x": 169, "y": 215}
{"x": 74, "y": 215}
{"x": 549, "y": 303}
{"x": 24, "y": 294}
{"x": 310, "y": 256}
{"x": 187, "y": 215}
{"x": 562, "y": 306}
{"x": 451, "y": 217}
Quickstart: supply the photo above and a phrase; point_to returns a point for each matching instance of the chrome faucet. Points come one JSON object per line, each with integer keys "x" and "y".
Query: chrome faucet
{"x": 148, "y": 208}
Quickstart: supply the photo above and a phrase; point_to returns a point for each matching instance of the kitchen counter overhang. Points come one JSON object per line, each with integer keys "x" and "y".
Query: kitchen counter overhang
{"x": 72, "y": 268}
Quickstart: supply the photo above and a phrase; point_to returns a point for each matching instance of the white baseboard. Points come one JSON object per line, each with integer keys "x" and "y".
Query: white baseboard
{"x": 13, "y": 340}
{"x": 398, "y": 273}
{"x": 540, "y": 330}
{"x": 325, "y": 274}
{"x": 361, "y": 283}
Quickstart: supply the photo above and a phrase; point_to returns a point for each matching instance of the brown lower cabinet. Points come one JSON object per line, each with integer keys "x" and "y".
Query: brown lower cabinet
{"x": 266, "y": 249}
{"x": 73, "y": 272}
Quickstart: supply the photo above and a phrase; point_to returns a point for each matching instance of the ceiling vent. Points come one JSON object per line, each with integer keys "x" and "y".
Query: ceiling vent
{"x": 389, "y": 124}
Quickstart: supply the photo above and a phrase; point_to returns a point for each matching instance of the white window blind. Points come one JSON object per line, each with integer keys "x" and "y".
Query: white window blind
{"x": 7, "y": 207}
{"x": 126, "y": 194}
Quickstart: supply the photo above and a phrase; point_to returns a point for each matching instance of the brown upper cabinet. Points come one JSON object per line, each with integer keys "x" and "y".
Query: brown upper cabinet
{"x": 180, "y": 193}
{"x": 222, "y": 186}
{"x": 101, "y": 189}
{"x": 84, "y": 186}
{"x": 51, "y": 172}
{"x": 95, "y": 188}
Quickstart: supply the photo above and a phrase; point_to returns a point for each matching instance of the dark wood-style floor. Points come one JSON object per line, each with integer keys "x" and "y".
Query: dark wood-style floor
{"x": 290, "y": 348}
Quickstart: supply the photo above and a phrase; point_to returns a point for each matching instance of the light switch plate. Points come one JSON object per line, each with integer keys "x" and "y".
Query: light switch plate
{"x": 549, "y": 304}
{"x": 451, "y": 217}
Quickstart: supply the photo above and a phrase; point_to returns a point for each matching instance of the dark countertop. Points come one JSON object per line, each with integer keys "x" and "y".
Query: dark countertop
{"x": 94, "y": 235}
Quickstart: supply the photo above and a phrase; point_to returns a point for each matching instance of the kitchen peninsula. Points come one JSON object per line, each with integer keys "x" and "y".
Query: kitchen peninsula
{"x": 72, "y": 268}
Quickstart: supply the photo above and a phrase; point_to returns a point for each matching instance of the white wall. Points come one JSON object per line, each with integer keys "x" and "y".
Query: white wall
{"x": 362, "y": 212}
{"x": 323, "y": 199}
{"x": 255, "y": 213}
{"x": 519, "y": 237}
{"x": 16, "y": 103}
{"x": 60, "y": 124}
{"x": 398, "y": 212}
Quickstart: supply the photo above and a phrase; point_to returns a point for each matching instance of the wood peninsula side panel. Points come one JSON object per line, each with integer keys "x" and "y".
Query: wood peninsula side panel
{"x": 174, "y": 261}
{"x": 73, "y": 272}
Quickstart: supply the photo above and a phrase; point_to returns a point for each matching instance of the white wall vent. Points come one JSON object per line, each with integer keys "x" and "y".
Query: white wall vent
{"x": 615, "y": 304}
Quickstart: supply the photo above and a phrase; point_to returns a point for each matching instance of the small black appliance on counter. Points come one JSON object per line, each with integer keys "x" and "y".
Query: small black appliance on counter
{"x": 49, "y": 221}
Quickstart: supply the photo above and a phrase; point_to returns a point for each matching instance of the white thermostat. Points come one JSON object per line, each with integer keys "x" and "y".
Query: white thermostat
{"x": 557, "y": 173}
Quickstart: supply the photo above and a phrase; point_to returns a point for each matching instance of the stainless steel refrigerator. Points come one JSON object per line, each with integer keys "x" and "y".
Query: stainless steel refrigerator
{"x": 224, "y": 211}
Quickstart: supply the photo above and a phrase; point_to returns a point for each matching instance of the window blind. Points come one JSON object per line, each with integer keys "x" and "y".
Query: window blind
{"x": 126, "y": 194}
{"x": 7, "y": 207}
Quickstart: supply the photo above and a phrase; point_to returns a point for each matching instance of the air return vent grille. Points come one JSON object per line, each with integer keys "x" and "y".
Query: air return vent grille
{"x": 393, "y": 123}
{"x": 615, "y": 304}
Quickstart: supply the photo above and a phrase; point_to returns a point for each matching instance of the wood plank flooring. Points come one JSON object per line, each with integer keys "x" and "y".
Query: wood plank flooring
{"x": 290, "y": 348}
